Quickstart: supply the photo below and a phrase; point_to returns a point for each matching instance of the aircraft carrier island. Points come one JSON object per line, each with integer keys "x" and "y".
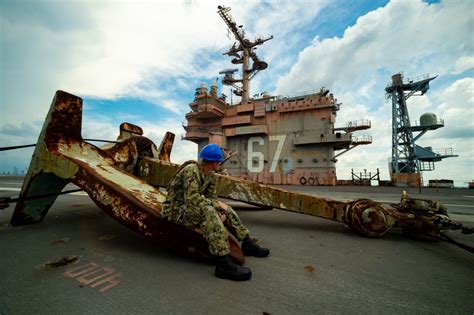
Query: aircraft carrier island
{"x": 270, "y": 139}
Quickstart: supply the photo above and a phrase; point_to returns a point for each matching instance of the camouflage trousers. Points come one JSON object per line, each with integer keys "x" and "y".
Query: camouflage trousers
{"x": 208, "y": 220}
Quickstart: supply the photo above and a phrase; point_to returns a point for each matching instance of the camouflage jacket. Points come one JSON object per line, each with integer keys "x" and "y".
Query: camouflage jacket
{"x": 189, "y": 190}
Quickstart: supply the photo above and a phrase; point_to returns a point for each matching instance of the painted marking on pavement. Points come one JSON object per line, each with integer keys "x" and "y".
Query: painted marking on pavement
{"x": 95, "y": 276}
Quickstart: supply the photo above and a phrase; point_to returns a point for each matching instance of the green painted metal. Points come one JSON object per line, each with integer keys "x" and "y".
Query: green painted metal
{"x": 366, "y": 217}
{"x": 124, "y": 180}
{"x": 61, "y": 156}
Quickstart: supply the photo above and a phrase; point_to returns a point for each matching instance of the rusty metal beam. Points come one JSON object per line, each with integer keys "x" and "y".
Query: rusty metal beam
{"x": 366, "y": 217}
{"x": 61, "y": 156}
{"x": 421, "y": 218}
{"x": 164, "y": 152}
{"x": 124, "y": 180}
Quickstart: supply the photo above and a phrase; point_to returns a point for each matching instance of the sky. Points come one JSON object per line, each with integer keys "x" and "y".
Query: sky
{"x": 140, "y": 62}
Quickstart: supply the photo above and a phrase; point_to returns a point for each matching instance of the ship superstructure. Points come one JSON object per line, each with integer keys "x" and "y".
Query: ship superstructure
{"x": 273, "y": 139}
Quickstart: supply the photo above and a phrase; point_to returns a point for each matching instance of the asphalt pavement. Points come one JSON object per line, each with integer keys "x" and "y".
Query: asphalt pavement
{"x": 81, "y": 261}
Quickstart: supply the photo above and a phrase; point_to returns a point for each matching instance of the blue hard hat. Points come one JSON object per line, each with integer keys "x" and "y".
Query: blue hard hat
{"x": 212, "y": 152}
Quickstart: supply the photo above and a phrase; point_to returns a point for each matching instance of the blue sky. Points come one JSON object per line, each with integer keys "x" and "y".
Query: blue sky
{"x": 140, "y": 61}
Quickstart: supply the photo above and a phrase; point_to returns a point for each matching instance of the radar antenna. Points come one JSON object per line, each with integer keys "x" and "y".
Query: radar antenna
{"x": 242, "y": 55}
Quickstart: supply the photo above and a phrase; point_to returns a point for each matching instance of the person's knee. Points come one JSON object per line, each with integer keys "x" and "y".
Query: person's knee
{"x": 231, "y": 212}
{"x": 212, "y": 221}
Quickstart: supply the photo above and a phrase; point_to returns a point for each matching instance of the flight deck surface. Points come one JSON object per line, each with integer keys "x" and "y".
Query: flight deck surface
{"x": 315, "y": 265}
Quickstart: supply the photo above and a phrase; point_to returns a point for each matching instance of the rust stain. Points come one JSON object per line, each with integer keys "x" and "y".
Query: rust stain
{"x": 124, "y": 154}
{"x": 128, "y": 127}
{"x": 124, "y": 182}
{"x": 63, "y": 261}
{"x": 164, "y": 152}
{"x": 309, "y": 268}
{"x": 58, "y": 242}
{"x": 366, "y": 217}
{"x": 61, "y": 241}
{"x": 105, "y": 175}
{"x": 106, "y": 237}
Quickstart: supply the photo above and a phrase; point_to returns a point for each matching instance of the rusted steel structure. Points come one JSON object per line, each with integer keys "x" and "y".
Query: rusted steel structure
{"x": 124, "y": 180}
{"x": 277, "y": 139}
{"x": 61, "y": 156}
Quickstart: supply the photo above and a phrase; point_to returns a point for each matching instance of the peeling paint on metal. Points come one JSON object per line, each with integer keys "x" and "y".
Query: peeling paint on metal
{"x": 124, "y": 182}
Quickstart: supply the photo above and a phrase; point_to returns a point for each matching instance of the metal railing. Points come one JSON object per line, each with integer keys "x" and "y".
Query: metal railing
{"x": 416, "y": 79}
{"x": 358, "y": 123}
{"x": 411, "y": 80}
{"x": 361, "y": 139}
{"x": 444, "y": 151}
{"x": 302, "y": 93}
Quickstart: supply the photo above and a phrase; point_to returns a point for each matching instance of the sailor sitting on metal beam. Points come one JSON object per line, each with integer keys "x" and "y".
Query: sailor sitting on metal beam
{"x": 192, "y": 202}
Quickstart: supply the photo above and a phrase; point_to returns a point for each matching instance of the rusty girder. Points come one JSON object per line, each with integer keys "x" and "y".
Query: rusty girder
{"x": 366, "y": 217}
{"x": 423, "y": 219}
{"x": 124, "y": 180}
{"x": 61, "y": 156}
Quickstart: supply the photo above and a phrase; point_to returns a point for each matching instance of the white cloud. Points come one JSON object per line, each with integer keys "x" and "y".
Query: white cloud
{"x": 152, "y": 49}
{"x": 371, "y": 156}
{"x": 417, "y": 106}
{"x": 33, "y": 59}
{"x": 115, "y": 49}
{"x": 100, "y": 128}
{"x": 456, "y": 108}
{"x": 457, "y": 111}
{"x": 404, "y": 35}
{"x": 119, "y": 46}
{"x": 182, "y": 150}
{"x": 464, "y": 63}
{"x": 411, "y": 36}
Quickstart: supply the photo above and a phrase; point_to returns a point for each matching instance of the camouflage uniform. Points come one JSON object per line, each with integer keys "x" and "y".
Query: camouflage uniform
{"x": 192, "y": 202}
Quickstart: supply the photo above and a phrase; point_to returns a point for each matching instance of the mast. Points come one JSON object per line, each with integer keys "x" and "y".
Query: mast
{"x": 242, "y": 55}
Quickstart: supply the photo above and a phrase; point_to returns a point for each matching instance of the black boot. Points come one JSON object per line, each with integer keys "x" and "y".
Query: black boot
{"x": 250, "y": 248}
{"x": 227, "y": 269}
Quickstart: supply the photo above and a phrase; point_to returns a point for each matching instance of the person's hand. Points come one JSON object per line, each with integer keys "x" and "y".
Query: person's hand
{"x": 222, "y": 210}
{"x": 223, "y": 206}
{"x": 223, "y": 216}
